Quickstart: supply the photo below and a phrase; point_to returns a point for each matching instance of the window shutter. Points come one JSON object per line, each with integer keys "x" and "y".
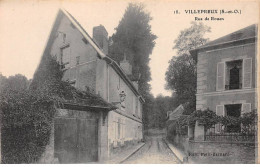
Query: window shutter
{"x": 247, "y": 73}
{"x": 123, "y": 126}
{"x": 115, "y": 134}
{"x": 118, "y": 129}
{"x": 246, "y": 107}
{"x": 220, "y": 76}
{"x": 220, "y": 112}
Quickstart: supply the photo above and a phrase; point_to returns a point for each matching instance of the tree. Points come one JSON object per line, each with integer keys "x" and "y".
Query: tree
{"x": 134, "y": 39}
{"x": 162, "y": 105}
{"x": 181, "y": 73}
{"x": 158, "y": 111}
{"x": 17, "y": 82}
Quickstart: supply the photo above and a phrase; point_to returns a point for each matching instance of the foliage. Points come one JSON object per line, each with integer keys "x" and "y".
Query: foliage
{"x": 158, "y": 111}
{"x": 249, "y": 119}
{"x": 27, "y": 112}
{"x": 148, "y": 111}
{"x": 17, "y": 82}
{"x": 27, "y": 122}
{"x": 191, "y": 38}
{"x": 181, "y": 74}
{"x": 207, "y": 118}
{"x": 133, "y": 38}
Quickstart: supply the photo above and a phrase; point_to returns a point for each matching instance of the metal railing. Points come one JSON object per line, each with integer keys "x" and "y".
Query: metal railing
{"x": 245, "y": 135}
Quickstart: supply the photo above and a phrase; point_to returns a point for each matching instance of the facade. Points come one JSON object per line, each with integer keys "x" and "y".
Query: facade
{"x": 88, "y": 68}
{"x": 226, "y": 76}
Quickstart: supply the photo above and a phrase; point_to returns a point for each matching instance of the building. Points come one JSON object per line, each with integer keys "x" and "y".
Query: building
{"x": 175, "y": 114}
{"x": 88, "y": 67}
{"x": 172, "y": 117}
{"x": 226, "y": 76}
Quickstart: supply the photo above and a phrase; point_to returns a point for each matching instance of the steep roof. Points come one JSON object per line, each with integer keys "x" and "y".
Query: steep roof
{"x": 101, "y": 54}
{"x": 245, "y": 35}
{"x": 175, "y": 114}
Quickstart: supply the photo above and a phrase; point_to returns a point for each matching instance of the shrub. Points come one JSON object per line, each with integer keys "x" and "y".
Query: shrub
{"x": 26, "y": 128}
{"x": 27, "y": 113}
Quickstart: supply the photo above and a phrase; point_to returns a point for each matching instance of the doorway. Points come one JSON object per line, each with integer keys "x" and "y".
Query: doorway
{"x": 76, "y": 140}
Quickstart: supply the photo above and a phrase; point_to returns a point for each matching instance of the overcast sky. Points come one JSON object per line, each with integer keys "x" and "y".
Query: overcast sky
{"x": 25, "y": 28}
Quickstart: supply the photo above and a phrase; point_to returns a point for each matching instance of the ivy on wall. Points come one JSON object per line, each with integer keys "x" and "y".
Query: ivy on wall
{"x": 28, "y": 112}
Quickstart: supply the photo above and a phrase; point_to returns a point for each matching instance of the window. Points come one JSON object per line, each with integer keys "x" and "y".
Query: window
{"x": 119, "y": 129}
{"x": 64, "y": 37}
{"x": 233, "y": 110}
{"x": 77, "y": 60}
{"x": 233, "y": 75}
{"x": 65, "y": 56}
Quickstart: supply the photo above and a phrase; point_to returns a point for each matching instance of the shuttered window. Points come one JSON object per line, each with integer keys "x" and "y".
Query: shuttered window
{"x": 247, "y": 73}
{"x": 220, "y": 112}
{"x": 220, "y": 76}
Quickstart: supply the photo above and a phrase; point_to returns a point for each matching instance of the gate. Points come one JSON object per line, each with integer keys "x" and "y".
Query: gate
{"x": 76, "y": 140}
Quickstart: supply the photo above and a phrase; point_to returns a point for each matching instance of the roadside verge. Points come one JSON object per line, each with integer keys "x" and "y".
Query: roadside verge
{"x": 183, "y": 158}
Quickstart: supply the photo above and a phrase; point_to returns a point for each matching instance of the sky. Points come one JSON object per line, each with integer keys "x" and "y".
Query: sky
{"x": 25, "y": 27}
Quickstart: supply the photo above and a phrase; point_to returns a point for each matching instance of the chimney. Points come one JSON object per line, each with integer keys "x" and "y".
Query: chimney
{"x": 126, "y": 66}
{"x": 100, "y": 36}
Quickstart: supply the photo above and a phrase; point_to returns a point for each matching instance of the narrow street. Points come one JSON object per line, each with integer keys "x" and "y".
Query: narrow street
{"x": 155, "y": 151}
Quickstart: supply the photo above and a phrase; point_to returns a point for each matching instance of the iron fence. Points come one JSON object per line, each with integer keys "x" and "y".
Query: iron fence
{"x": 221, "y": 133}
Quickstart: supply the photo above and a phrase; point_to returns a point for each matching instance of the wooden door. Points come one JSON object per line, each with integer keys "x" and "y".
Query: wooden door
{"x": 76, "y": 140}
{"x": 87, "y": 140}
{"x": 65, "y": 140}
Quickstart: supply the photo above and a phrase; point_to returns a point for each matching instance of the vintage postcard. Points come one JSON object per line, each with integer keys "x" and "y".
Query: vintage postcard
{"x": 129, "y": 82}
